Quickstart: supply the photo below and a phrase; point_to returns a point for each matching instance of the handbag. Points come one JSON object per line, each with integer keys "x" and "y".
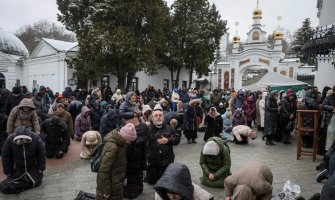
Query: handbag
{"x": 197, "y": 120}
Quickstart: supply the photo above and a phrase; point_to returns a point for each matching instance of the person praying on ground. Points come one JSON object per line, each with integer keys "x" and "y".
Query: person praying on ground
{"x": 23, "y": 161}
{"x": 89, "y": 142}
{"x": 242, "y": 133}
{"x": 215, "y": 163}
{"x": 251, "y": 181}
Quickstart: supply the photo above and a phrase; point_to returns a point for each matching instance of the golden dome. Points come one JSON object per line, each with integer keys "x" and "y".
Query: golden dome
{"x": 257, "y": 13}
{"x": 278, "y": 35}
{"x": 236, "y": 39}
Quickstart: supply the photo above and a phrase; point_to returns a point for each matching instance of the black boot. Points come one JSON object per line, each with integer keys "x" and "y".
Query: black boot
{"x": 189, "y": 141}
{"x": 193, "y": 141}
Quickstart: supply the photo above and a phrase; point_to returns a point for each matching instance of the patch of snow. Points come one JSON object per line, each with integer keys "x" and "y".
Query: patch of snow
{"x": 60, "y": 45}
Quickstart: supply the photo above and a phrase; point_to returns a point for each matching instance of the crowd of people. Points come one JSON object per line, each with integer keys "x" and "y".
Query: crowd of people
{"x": 139, "y": 130}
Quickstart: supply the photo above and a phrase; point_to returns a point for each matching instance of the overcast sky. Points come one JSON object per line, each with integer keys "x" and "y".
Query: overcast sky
{"x": 16, "y": 13}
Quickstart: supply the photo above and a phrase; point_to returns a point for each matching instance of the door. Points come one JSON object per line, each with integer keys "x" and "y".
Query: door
{"x": 2, "y": 81}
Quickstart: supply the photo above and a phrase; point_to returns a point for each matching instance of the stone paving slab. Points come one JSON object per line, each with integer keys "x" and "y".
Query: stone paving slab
{"x": 66, "y": 181}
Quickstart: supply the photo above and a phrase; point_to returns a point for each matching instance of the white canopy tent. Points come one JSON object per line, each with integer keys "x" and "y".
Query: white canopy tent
{"x": 275, "y": 80}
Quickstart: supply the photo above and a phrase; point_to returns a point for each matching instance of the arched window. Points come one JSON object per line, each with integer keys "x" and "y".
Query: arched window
{"x": 255, "y": 35}
{"x": 283, "y": 73}
{"x": 2, "y": 81}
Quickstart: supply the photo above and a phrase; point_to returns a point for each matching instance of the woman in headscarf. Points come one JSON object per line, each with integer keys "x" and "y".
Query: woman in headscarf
{"x": 271, "y": 117}
{"x": 213, "y": 123}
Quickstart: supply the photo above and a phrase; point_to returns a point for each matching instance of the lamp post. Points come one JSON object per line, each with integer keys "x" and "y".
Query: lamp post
{"x": 213, "y": 71}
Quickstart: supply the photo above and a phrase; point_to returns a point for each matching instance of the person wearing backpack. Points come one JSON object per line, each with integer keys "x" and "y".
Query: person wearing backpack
{"x": 112, "y": 170}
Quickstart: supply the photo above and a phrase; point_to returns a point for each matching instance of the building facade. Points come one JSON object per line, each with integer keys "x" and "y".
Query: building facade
{"x": 255, "y": 53}
{"x": 326, "y": 71}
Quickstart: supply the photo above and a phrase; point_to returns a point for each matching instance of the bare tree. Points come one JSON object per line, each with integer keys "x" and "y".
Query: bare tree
{"x": 32, "y": 34}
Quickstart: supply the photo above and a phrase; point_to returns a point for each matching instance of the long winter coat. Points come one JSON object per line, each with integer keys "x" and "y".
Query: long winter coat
{"x": 82, "y": 123}
{"x": 113, "y": 168}
{"x": 328, "y": 189}
{"x": 190, "y": 111}
{"x": 95, "y": 115}
{"x": 136, "y": 162}
{"x": 18, "y": 117}
{"x": 13, "y": 156}
{"x": 328, "y": 105}
{"x": 237, "y": 102}
{"x": 287, "y": 108}
{"x": 262, "y": 108}
{"x": 40, "y": 105}
{"x": 218, "y": 165}
{"x": 108, "y": 122}
{"x": 258, "y": 113}
{"x": 249, "y": 109}
{"x": 271, "y": 115}
{"x": 67, "y": 119}
{"x": 177, "y": 179}
{"x": 127, "y": 110}
{"x": 214, "y": 126}
{"x": 254, "y": 176}
{"x": 56, "y": 132}
{"x": 162, "y": 154}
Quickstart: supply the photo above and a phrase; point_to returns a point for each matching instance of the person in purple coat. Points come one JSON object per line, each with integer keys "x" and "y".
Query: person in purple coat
{"x": 82, "y": 123}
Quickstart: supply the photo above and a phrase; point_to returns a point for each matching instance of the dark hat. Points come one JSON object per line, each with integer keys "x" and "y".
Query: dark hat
{"x": 16, "y": 90}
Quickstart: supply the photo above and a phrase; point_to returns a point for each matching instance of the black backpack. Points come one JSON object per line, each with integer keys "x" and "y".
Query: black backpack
{"x": 97, "y": 158}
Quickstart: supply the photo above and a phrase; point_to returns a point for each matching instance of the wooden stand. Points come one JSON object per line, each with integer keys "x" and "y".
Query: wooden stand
{"x": 300, "y": 128}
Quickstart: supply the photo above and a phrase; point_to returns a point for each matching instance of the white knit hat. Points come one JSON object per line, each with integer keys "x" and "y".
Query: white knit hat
{"x": 211, "y": 148}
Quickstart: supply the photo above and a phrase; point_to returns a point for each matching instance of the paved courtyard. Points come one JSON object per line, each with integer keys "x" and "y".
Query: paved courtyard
{"x": 65, "y": 181}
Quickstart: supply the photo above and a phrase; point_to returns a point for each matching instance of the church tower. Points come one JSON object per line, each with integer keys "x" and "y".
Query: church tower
{"x": 256, "y": 34}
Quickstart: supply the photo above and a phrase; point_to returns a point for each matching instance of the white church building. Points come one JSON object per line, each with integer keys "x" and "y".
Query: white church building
{"x": 255, "y": 53}
{"x": 47, "y": 66}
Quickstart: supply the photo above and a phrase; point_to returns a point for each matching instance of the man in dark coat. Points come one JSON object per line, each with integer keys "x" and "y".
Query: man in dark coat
{"x": 68, "y": 92}
{"x": 149, "y": 94}
{"x": 45, "y": 96}
{"x": 160, "y": 147}
{"x": 74, "y": 108}
{"x": 13, "y": 100}
{"x": 56, "y": 137}
{"x": 23, "y": 161}
{"x": 108, "y": 95}
{"x": 96, "y": 114}
{"x": 128, "y": 108}
{"x": 39, "y": 102}
{"x": 108, "y": 122}
{"x": 4, "y": 94}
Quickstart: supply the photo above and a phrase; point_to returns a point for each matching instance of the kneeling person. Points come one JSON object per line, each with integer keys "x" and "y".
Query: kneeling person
{"x": 215, "y": 163}
{"x": 241, "y": 134}
{"x": 89, "y": 142}
{"x": 57, "y": 138}
{"x": 23, "y": 161}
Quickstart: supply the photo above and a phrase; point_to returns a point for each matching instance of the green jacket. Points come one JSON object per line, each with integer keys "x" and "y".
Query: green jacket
{"x": 113, "y": 168}
{"x": 218, "y": 165}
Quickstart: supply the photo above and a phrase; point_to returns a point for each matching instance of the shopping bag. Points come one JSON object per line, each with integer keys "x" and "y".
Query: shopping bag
{"x": 290, "y": 192}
